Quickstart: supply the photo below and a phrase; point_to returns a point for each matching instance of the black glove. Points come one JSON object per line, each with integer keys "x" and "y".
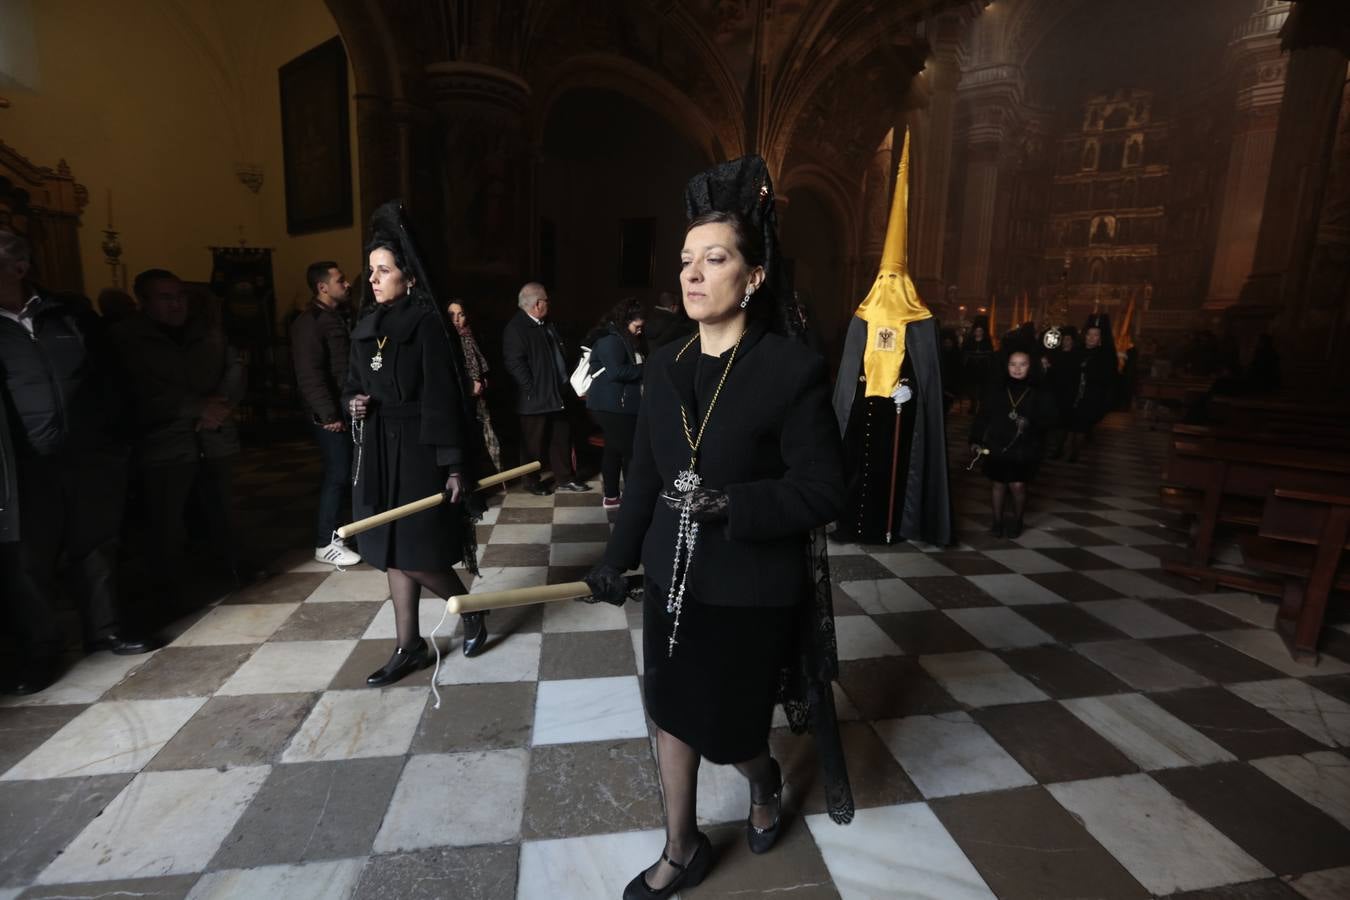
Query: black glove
{"x": 706, "y": 505}
{"x": 606, "y": 583}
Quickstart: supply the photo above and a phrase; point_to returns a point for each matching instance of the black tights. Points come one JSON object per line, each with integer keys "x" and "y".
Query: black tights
{"x": 678, "y": 763}
{"x": 405, "y": 587}
{"x": 1018, "y": 489}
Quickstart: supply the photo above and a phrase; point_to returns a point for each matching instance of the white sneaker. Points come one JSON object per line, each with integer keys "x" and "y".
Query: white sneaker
{"x": 337, "y": 554}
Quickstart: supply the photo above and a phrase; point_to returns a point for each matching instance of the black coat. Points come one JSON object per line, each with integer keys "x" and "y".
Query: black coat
{"x": 993, "y": 427}
{"x": 771, "y": 445}
{"x": 416, "y": 432}
{"x": 536, "y": 361}
{"x": 1096, "y": 387}
{"x": 665, "y": 327}
{"x": 618, "y": 389}
{"x": 9, "y": 483}
{"x": 320, "y": 348}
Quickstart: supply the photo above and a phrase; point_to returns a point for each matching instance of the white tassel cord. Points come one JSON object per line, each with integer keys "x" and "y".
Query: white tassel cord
{"x": 435, "y": 674}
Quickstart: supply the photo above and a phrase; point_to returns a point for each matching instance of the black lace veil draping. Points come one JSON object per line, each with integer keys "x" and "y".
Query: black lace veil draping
{"x": 743, "y": 186}
{"x": 389, "y": 226}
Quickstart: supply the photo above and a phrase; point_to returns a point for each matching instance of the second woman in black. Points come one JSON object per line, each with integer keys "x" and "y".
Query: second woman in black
{"x": 616, "y": 392}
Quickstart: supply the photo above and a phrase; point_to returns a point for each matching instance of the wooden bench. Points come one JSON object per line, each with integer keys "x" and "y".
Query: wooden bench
{"x": 1180, "y": 393}
{"x": 1303, "y": 537}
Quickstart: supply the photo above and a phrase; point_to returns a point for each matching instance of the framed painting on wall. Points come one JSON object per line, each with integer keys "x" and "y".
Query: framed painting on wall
{"x": 315, "y": 140}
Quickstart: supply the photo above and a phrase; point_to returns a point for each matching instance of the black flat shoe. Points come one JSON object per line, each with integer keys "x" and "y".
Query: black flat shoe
{"x": 475, "y": 633}
{"x": 402, "y": 664}
{"x": 689, "y": 875}
{"x": 996, "y": 529}
{"x": 121, "y": 645}
{"x": 1015, "y": 529}
{"x": 35, "y": 676}
{"x": 761, "y": 840}
{"x": 574, "y": 487}
{"x": 539, "y": 490}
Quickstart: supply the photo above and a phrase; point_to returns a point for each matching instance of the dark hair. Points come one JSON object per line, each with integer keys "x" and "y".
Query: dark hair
{"x": 141, "y": 285}
{"x": 392, "y": 244}
{"x": 317, "y": 273}
{"x": 618, "y": 317}
{"x": 749, "y": 241}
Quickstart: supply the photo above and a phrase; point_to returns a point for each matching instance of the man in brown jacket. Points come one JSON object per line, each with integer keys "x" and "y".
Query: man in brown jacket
{"x": 320, "y": 345}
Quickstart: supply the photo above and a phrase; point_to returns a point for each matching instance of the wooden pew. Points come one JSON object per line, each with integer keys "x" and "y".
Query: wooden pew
{"x": 1303, "y": 537}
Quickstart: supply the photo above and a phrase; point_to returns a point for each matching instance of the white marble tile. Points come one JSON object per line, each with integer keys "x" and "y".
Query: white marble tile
{"x": 1248, "y": 607}
{"x": 245, "y": 623}
{"x": 844, "y": 710}
{"x": 523, "y": 498}
{"x": 1155, "y": 836}
{"x": 162, "y": 823}
{"x": 861, "y": 638}
{"x": 1322, "y": 779}
{"x": 888, "y": 595}
{"x": 1132, "y": 584}
{"x": 588, "y": 709}
{"x": 950, "y": 754}
{"x": 997, "y": 627}
{"x": 85, "y": 682}
{"x": 115, "y": 736}
{"x": 1128, "y": 557}
{"x": 504, "y": 578}
{"x": 1014, "y": 589}
{"x": 896, "y": 851}
{"x": 1270, "y": 648}
{"x": 430, "y": 609}
{"x": 328, "y": 880}
{"x": 977, "y": 678}
{"x": 11, "y": 893}
{"x": 576, "y": 553}
{"x": 580, "y": 515}
{"x": 723, "y": 794}
{"x": 584, "y": 868}
{"x": 289, "y": 667}
{"x": 352, "y": 585}
{"x": 841, "y": 549}
{"x": 522, "y": 534}
{"x": 515, "y": 658}
{"x": 912, "y": 565}
{"x": 1328, "y": 884}
{"x": 636, "y": 635}
{"x": 490, "y": 515}
{"x": 1320, "y": 716}
{"x": 571, "y": 616}
{"x": 357, "y": 724}
{"x": 422, "y": 815}
{"x": 1040, "y": 539}
{"x": 1145, "y": 732}
{"x": 1136, "y": 619}
{"x": 1140, "y": 666}
{"x": 1123, "y": 534}
{"x": 1025, "y": 561}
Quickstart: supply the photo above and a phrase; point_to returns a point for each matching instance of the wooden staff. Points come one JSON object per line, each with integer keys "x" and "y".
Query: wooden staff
{"x": 527, "y": 596}
{"x": 407, "y": 509}
{"x": 895, "y": 464}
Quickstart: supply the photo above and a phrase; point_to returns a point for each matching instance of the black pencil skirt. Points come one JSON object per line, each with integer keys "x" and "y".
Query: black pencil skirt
{"x": 717, "y": 691}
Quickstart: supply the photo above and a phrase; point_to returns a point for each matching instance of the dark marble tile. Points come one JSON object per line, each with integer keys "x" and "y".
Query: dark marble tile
{"x": 1085, "y": 519}
{"x": 966, "y": 563}
{"x": 926, "y": 632}
{"x": 25, "y": 728}
{"x": 464, "y": 873}
{"x": 235, "y": 731}
{"x": 1335, "y": 643}
{"x": 525, "y": 515}
{"x": 1200, "y": 616}
{"x": 514, "y": 555}
{"x": 1245, "y": 730}
{"x": 482, "y": 534}
{"x": 1068, "y": 624}
{"x": 503, "y": 623}
{"x": 561, "y": 795}
{"x": 181, "y": 672}
{"x": 1216, "y": 661}
{"x": 1076, "y": 558}
{"x": 951, "y": 592}
{"x": 566, "y": 534}
{"x": 1073, "y": 586}
{"x": 328, "y": 621}
{"x": 1279, "y": 830}
{"x": 1337, "y": 686}
{"x": 1051, "y": 743}
{"x": 371, "y": 655}
{"x": 858, "y": 567}
{"x": 586, "y": 654}
{"x": 1177, "y": 583}
{"x": 1266, "y": 889}
{"x": 1025, "y": 845}
{"x": 794, "y": 869}
{"x": 39, "y": 818}
{"x": 1060, "y": 672}
{"x": 478, "y": 717}
{"x": 173, "y": 887}
{"x": 1081, "y": 537}
{"x": 874, "y": 776}
{"x": 586, "y": 498}
{"x": 309, "y": 811}
{"x": 893, "y": 687}
{"x": 564, "y": 574}
{"x": 289, "y": 587}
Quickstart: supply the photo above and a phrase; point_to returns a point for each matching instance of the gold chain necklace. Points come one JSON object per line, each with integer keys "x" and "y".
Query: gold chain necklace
{"x": 1012, "y": 414}
{"x": 688, "y": 480}
{"x": 377, "y": 361}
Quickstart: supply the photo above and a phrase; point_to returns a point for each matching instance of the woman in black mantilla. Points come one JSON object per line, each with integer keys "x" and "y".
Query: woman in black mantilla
{"x": 1011, "y": 424}
{"x": 408, "y": 395}
{"x": 1097, "y": 365}
{"x": 736, "y": 465}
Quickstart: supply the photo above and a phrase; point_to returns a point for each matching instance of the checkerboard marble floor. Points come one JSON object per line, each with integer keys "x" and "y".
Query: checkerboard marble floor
{"x": 1047, "y": 717}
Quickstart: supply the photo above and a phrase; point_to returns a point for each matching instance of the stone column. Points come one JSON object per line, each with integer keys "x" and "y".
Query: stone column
{"x": 1259, "y": 72}
{"x": 988, "y": 99}
{"x": 934, "y": 125}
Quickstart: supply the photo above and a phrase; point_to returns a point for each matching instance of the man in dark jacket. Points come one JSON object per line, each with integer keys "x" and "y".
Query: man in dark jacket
{"x": 65, "y": 482}
{"x": 533, "y": 354}
{"x": 320, "y": 344}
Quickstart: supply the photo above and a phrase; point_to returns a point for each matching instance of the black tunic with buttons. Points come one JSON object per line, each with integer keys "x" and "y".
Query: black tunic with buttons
{"x": 415, "y": 434}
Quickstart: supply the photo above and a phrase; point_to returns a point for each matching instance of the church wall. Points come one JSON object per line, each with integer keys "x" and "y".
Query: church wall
{"x": 159, "y": 103}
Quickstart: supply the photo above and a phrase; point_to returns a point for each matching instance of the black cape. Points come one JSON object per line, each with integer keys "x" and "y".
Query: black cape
{"x": 923, "y": 509}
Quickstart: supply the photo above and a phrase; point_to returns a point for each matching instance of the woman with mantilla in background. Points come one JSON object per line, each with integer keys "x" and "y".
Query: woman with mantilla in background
{"x": 416, "y": 435}
{"x": 736, "y": 468}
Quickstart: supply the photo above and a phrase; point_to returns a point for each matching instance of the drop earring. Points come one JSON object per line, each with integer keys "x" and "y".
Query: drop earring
{"x": 745, "y": 301}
